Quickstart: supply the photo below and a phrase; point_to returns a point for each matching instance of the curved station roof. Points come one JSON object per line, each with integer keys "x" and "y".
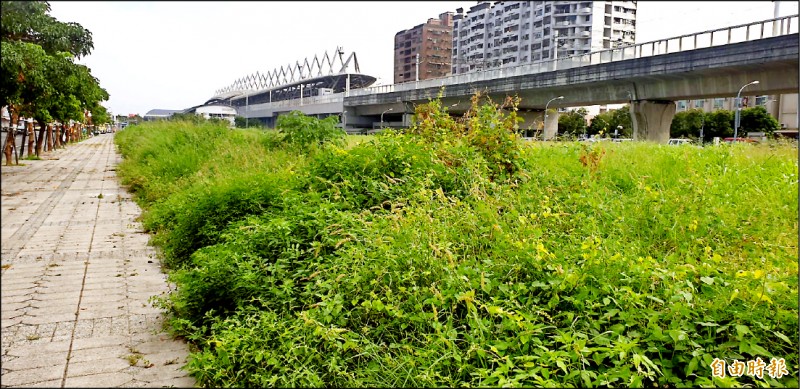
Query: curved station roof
{"x": 288, "y": 82}
{"x": 335, "y": 83}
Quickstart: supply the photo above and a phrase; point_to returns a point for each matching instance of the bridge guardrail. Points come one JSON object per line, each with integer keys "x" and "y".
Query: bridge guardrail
{"x": 784, "y": 25}
{"x": 334, "y": 98}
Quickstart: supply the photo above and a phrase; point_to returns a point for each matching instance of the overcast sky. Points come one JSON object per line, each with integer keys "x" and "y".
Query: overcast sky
{"x": 174, "y": 55}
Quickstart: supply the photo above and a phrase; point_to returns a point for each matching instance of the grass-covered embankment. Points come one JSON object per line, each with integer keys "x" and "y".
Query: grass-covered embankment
{"x": 440, "y": 259}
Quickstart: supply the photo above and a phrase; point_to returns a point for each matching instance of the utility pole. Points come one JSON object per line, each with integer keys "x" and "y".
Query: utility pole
{"x": 776, "y": 15}
{"x": 555, "y": 45}
{"x": 417, "y": 70}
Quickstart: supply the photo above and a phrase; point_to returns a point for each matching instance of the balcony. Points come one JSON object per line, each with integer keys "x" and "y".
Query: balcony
{"x": 564, "y": 23}
{"x": 586, "y": 10}
{"x": 586, "y": 34}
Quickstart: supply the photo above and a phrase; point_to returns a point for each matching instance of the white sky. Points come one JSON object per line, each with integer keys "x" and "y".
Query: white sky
{"x": 174, "y": 55}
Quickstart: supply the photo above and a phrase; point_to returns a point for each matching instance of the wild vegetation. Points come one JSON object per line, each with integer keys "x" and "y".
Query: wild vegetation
{"x": 457, "y": 255}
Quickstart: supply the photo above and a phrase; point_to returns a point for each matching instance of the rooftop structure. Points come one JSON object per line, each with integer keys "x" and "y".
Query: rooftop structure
{"x": 318, "y": 77}
{"x": 155, "y": 114}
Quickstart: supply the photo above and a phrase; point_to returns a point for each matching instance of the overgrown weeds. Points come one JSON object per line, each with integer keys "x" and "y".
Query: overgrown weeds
{"x": 457, "y": 256}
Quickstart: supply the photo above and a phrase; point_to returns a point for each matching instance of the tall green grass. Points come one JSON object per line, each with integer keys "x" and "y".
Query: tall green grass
{"x": 395, "y": 261}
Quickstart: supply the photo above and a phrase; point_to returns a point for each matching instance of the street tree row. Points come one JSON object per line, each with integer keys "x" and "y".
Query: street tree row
{"x": 40, "y": 79}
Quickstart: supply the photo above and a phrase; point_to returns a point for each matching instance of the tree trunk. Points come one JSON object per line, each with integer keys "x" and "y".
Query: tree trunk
{"x": 8, "y": 150}
{"x": 21, "y": 149}
{"x": 31, "y": 138}
{"x": 59, "y": 135}
{"x": 40, "y": 137}
{"x": 49, "y": 141}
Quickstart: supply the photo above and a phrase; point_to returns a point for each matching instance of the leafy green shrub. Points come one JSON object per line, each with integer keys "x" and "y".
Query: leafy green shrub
{"x": 433, "y": 123}
{"x": 304, "y": 131}
{"x": 486, "y": 126}
{"x": 195, "y": 218}
{"x": 494, "y": 133}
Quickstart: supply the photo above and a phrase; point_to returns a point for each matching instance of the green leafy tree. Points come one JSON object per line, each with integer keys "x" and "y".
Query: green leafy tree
{"x": 599, "y": 124}
{"x": 100, "y": 115}
{"x": 38, "y": 75}
{"x": 757, "y": 119}
{"x": 29, "y": 22}
{"x": 621, "y": 118}
{"x": 23, "y": 82}
{"x": 573, "y": 122}
{"x": 616, "y": 119}
{"x": 687, "y": 124}
{"x": 718, "y": 124}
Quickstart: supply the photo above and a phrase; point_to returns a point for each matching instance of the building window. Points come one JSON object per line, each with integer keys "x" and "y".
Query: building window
{"x": 699, "y": 103}
{"x": 718, "y": 103}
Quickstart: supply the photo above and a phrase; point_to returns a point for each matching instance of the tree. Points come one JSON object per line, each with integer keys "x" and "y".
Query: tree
{"x": 22, "y": 83}
{"x": 757, "y": 119}
{"x": 29, "y": 22}
{"x": 39, "y": 78}
{"x": 622, "y": 118}
{"x": 687, "y": 124}
{"x": 100, "y": 115}
{"x": 718, "y": 124}
{"x": 573, "y": 123}
{"x": 599, "y": 124}
{"x": 612, "y": 120}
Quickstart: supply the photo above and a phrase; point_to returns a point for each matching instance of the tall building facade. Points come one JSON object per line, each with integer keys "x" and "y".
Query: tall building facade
{"x": 424, "y": 51}
{"x": 509, "y": 33}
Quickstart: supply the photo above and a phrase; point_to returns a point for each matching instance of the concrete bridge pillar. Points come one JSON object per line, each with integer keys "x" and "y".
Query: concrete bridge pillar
{"x": 651, "y": 119}
{"x": 532, "y": 124}
{"x": 551, "y": 124}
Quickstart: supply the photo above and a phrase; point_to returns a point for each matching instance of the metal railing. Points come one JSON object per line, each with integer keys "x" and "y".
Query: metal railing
{"x": 333, "y": 98}
{"x": 784, "y": 25}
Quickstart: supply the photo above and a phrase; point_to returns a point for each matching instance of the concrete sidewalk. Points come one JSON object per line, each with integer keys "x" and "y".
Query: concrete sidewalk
{"x": 77, "y": 276}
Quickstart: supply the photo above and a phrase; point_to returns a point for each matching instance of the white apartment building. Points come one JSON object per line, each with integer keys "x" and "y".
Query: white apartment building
{"x": 509, "y": 33}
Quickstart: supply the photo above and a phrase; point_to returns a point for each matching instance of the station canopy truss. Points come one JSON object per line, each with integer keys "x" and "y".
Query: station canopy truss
{"x": 325, "y": 74}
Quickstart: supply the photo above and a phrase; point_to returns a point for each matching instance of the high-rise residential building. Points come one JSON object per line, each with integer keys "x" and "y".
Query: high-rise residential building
{"x": 509, "y": 33}
{"x": 428, "y": 45}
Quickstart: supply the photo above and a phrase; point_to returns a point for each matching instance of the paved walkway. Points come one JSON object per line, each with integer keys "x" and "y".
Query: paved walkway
{"x": 77, "y": 276}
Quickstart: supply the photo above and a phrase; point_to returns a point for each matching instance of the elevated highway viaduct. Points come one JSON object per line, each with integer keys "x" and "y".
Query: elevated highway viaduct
{"x": 651, "y": 84}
